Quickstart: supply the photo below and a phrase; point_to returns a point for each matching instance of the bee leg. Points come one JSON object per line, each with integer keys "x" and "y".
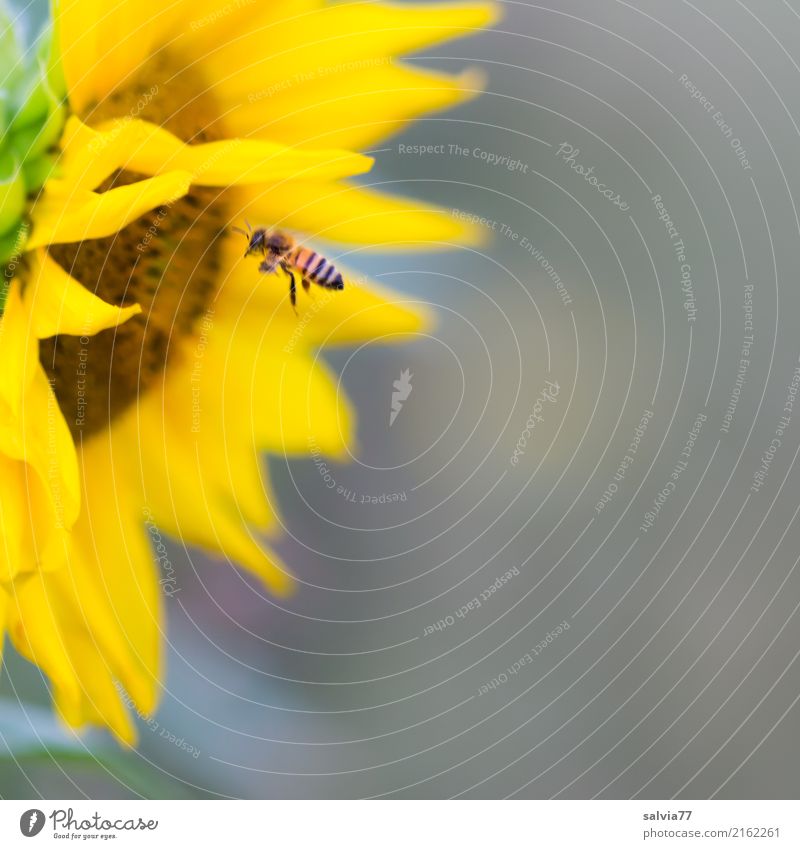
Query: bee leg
{"x": 306, "y": 284}
{"x": 267, "y": 267}
{"x": 293, "y": 291}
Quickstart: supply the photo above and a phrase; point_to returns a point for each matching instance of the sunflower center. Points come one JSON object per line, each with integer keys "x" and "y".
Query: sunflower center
{"x": 167, "y": 261}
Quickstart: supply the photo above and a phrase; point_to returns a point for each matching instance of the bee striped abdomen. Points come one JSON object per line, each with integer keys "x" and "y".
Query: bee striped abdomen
{"x": 317, "y": 269}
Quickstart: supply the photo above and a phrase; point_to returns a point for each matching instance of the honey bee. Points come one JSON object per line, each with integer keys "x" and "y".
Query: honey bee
{"x": 280, "y": 250}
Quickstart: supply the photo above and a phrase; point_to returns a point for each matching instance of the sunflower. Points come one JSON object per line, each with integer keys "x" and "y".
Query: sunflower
{"x": 145, "y": 363}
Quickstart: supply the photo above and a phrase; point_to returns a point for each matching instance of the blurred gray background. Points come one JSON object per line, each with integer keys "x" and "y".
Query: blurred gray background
{"x": 678, "y": 673}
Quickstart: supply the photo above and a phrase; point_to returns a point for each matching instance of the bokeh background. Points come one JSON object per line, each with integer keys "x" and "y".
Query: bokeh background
{"x": 625, "y": 651}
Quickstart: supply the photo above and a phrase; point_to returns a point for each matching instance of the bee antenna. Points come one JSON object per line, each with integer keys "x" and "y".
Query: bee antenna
{"x": 239, "y": 230}
{"x": 249, "y": 225}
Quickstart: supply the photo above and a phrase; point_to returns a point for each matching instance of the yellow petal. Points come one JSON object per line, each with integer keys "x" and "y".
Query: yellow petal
{"x": 39, "y": 498}
{"x": 60, "y": 304}
{"x": 34, "y": 630}
{"x": 185, "y": 490}
{"x": 327, "y": 39}
{"x": 362, "y": 311}
{"x": 32, "y": 534}
{"x": 353, "y": 214}
{"x": 19, "y": 352}
{"x": 111, "y": 534}
{"x": 63, "y": 215}
{"x": 154, "y": 150}
{"x": 40, "y": 438}
{"x": 104, "y": 42}
{"x": 212, "y": 23}
{"x": 102, "y": 703}
{"x": 351, "y": 108}
{"x": 15, "y": 548}
{"x": 62, "y": 621}
{"x": 215, "y": 460}
{"x": 32, "y": 428}
{"x": 96, "y": 620}
{"x": 310, "y": 410}
{"x": 238, "y": 545}
{"x": 93, "y": 609}
{"x": 88, "y": 157}
{"x": 305, "y": 406}
{"x": 190, "y": 446}
{"x": 100, "y": 700}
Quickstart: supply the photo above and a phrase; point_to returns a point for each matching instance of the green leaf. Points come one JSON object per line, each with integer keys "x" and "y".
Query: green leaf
{"x": 12, "y": 191}
{"x": 5, "y": 113}
{"x": 12, "y": 245}
{"x": 34, "y": 139}
{"x": 36, "y": 171}
{"x": 44, "y": 92}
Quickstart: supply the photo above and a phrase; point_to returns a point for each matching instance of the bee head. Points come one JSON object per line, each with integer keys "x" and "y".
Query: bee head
{"x": 263, "y": 241}
{"x": 255, "y": 238}
{"x": 257, "y": 243}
